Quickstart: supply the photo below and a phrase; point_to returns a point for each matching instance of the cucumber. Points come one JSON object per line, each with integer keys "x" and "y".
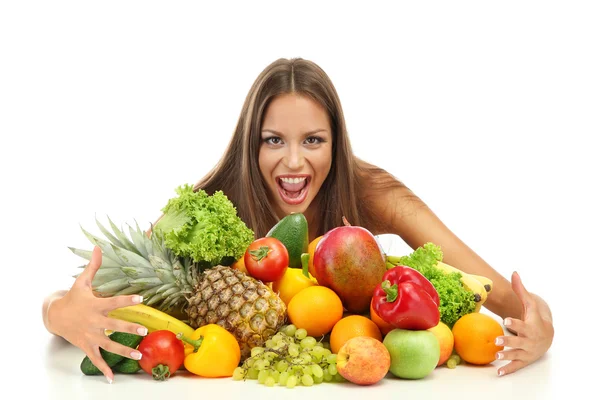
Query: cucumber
{"x": 126, "y": 339}
{"x": 127, "y": 366}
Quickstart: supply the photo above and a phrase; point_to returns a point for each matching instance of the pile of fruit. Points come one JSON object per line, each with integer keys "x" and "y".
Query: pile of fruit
{"x": 281, "y": 310}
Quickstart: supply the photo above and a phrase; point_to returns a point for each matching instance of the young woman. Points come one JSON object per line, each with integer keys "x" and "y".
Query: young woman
{"x": 290, "y": 152}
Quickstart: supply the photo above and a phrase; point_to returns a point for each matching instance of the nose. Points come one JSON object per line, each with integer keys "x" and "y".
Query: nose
{"x": 294, "y": 159}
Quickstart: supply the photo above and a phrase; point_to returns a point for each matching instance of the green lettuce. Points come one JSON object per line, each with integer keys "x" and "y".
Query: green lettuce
{"x": 455, "y": 300}
{"x": 204, "y": 228}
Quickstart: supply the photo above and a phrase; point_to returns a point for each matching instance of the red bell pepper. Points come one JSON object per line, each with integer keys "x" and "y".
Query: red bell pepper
{"x": 407, "y": 300}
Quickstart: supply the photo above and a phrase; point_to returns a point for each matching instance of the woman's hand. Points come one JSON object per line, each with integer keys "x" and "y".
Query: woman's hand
{"x": 534, "y": 331}
{"x": 81, "y": 318}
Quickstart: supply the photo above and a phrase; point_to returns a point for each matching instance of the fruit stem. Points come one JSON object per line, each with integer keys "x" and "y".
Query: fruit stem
{"x": 345, "y": 221}
{"x": 161, "y": 372}
{"x": 304, "y": 259}
{"x": 260, "y": 253}
{"x": 390, "y": 290}
{"x": 195, "y": 343}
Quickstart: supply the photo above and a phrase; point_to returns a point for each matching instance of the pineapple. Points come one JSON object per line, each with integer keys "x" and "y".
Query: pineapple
{"x": 142, "y": 265}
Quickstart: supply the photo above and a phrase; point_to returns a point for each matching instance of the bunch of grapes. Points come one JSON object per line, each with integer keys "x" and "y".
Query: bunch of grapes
{"x": 290, "y": 358}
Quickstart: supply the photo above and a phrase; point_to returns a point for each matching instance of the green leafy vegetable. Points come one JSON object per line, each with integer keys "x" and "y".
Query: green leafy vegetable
{"x": 204, "y": 228}
{"x": 455, "y": 300}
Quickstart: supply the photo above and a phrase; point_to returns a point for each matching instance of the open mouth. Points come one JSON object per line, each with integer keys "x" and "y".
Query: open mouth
{"x": 293, "y": 190}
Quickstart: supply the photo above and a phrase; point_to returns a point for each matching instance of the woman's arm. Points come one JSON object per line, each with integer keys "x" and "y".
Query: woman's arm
{"x": 416, "y": 224}
{"x": 46, "y": 307}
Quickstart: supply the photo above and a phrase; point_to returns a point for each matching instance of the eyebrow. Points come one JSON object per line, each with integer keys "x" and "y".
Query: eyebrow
{"x": 305, "y": 133}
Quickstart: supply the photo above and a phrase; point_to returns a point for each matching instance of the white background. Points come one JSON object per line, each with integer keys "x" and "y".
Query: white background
{"x": 489, "y": 111}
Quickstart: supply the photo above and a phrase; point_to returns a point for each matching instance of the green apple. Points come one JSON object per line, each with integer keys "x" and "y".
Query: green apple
{"x": 414, "y": 353}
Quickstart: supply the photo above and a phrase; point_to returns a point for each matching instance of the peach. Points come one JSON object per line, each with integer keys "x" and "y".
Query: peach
{"x": 446, "y": 339}
{"x": 363, "y": 360}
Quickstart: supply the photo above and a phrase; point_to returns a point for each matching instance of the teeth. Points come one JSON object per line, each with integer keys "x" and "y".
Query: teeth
{"x": 293, "y": 180}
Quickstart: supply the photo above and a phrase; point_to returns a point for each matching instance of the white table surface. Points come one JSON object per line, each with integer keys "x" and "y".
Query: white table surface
{"x": 62, "y": 379}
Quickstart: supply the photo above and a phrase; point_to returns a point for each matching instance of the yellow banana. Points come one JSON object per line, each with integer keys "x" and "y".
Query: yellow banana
{"x": 470, "y": 283}
{"x": 487, "y": 283}
{"x": 151, "y": 318}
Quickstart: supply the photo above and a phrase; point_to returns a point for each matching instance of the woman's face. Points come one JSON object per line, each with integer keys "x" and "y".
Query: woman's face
{"x": 295, "y": 152}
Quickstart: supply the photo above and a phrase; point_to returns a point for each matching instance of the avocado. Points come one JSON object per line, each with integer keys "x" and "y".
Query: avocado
{"x": 292, "y": 231}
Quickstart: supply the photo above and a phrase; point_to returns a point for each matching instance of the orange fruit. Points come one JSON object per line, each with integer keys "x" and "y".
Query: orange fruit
{"x": 383, "y": 326}
{"x": 240, "y": 265}
{"x": 311, "y": 252}
{"x": 350, "y": 327}
{"x": 474, "y": 338}
{"x": 291, "y": 283}
{"x": 316, "y": 309}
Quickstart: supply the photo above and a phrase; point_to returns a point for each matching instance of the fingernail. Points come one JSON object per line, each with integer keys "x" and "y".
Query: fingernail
{"x": 109, "y": 379}
{"x": 499, "y": 341}
{"x": 136, "y": 355}
{"x": 137, "y": 299}
{"x": 500, "y": 372}
{"x": 142, "y": 331}
{"x": 507, "y": 321}
{"x": 499, "y": 356}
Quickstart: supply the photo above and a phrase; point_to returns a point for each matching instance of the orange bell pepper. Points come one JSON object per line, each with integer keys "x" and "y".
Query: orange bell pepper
{"x": 211, "y": 352}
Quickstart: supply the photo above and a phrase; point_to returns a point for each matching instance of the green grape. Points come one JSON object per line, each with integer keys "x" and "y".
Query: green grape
{"x": 307, "y": 380}
{"x": 332, "y": 359}
{"x": 238, "y": 374}
{"x": 308, "y": 342}
{"x": 292, "y": 381}
{"x": 289, "y": 330}
{"x": 261, "y": 365}
{"x": 318, "y": 379}
{"x": 306, "y": 370}
{"x": 332, "y": 369}
{"x": 252, "y": 373}
{"x": 451, "y": 363}
{"x": 283, "y": 377}
{"x": 275, "y": 374}
{"x": 317, "y": 371}
{"x": 256, "y": 351}
{"x": 270, "y": 381}
{"x": 305, "y": 357}
{"x": 269, "y": 343}
{"x": 300, "y": 333}
{"x": 319, "y": 344}
{"x": 317, "y": 352}
{"x": 456, "y": 358}
{"x": 250, "y": 362}
{"x": 293, "y": 350}
{"x": 326, "y": 352}
{"x": 281, "y": 365}
{"x": 327, "y": 376}
{"x": 262, "y": 376}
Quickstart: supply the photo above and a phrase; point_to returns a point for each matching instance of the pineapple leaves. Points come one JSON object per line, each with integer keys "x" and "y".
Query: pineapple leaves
{"x": 131, "y": 259}
{"x": 87, "y": 254}
{"x": 138, "y": 240}
{"x": 125, "y": 242}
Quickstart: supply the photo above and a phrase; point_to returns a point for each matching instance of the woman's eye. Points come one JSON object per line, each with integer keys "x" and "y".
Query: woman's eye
{"x": 272, "y": 140}
{"x": 313, "y": 140}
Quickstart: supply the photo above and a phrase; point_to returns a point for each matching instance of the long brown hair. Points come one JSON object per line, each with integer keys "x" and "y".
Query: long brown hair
{"x": 344, "y": 191}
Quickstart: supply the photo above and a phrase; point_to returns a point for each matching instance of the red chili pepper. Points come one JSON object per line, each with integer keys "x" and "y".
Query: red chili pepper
{"x": 407, "y": 300}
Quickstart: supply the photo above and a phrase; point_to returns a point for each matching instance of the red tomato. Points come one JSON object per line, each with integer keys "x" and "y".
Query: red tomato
{"x": 266, "y": 259}
{"x": 162, "y": 354}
